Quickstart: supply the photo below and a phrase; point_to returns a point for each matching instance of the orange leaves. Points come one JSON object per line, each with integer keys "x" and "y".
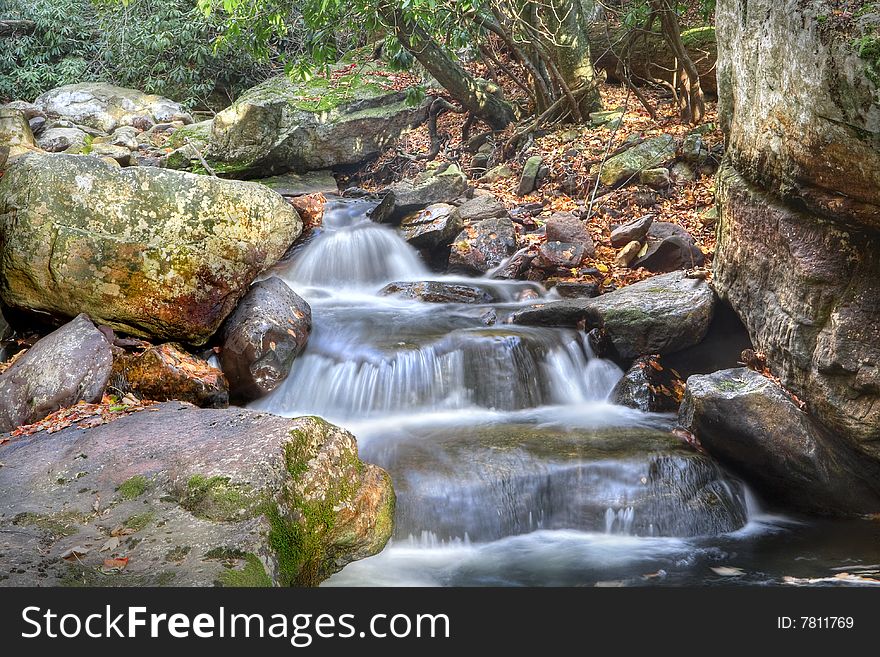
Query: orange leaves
{"x": 84, "y": 415}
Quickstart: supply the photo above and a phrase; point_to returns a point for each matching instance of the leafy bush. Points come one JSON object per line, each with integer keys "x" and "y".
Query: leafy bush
{"x": 159, "y": 46}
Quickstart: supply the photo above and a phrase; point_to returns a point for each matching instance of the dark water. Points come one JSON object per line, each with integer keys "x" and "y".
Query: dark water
{"x": 511, "y": 466}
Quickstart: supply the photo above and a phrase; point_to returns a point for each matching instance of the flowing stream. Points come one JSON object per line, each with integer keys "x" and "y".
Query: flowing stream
{"x": 510, "y": 465}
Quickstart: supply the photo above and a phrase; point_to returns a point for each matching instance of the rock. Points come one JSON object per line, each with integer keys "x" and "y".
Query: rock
{"x": 37, "y": 124}
{"x": 628, "y": 254}
{"x": 261, "y": 339}
{"x": 481, "y": 207}
{"x": 126, "y": 136}
{"x": 693, "y": 150}
{"x": 69, "y": 365}
{"x": 310, "y": 208}
{"x": 559, "y": 255}
{"x": 565, "y": 227}
{"x": 106, "y": 107}
{"x": 150, "y": 252}
{"x": 438, "y": 292}
{"x": 611, "y": 118}
{"x": 408, "y": 196}
{"x": 194, "y": 134}
{"x": 528, "y": 181}
{"x": 119, "y": 153}
{"x": 277, "y": 126}
{"x": 501, "y": 172}
{"x": 6, "y": 331}
{"x": 15, "y": 132}
{"x": 649, "y": 387}
{"x": 670, "y": 247}
{"x": 746, "y": 420}
{"x": 656, "y": 178}
{"x": 434, "y": 226}
{"x": 29, "y": 110}
{"x": 167, "y": 373}
{"x": 683, "y": 171}
{"x": 660, "y": 315}
{"x": 798, "y": 234}
{"x": 197, "y": 498}
{"x": 635, "y": 230}
{"x": 301, "y": 184}
{"x": 56, "y": 140}
{"x": 626, "y": 166}
{"x": 483, "y": 246}
{"x": 576, "y": 289}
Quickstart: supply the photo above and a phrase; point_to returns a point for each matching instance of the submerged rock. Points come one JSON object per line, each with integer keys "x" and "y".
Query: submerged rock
{"x": 749, "y": 423}
{"x": 150, "y": 252}
{"x": 660, "y": 315}
{"x": 190, "y": 497}
{"x": 281, "y": 125}
{"x": 260, "y": 340}
{"x": 437, "y": 292}
{"x": 483, "y": 246}
{"x": 166, "y": 372}
{"x": 67, "y": 366}
{"x": 106, "y": 107}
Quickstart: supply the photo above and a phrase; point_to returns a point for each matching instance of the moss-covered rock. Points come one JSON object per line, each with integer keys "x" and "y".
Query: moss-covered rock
{"x": 651, "y": 154}
{"x": 193, "y": 497}
{"x": 281, "y": 125}
{"x": 150, "y": 252}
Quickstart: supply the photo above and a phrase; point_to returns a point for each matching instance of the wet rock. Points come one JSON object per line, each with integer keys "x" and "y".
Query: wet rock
{"x": 106, "y": 107}
{"x": 518, "y": 265}
{"x": 626, "y": 166}
{"x": 195, "y": 497}
{"x": 483, "y": 246}
{"x": 628, "y": 254}
{"x": 56, "y": 140}
{"x": 69, "y": 365}
{"x": 660, "y": 315}
{"x": 559, "y": 255}
{"x": 408, "y": 196}
{"x": 261, "y": 339}
{"x": 150, "y": 252}
{"x": 637, "y": 230}
{"x": 485, "y": 206}
{"x": 166, "y": 372}
{"x": 434, "y": 226}
{"x": 750, "y": 424}
{"x": 565, "y": 227}
{"x": 529, "y": 179}
{"x": 276, "y": 127}
{"x": 437, "y": 292}
{"x": 310, "y": 208}
{"x": 649, "y": 386}
{"x": 656, "y": 178}
{"x": 576, "y": 289}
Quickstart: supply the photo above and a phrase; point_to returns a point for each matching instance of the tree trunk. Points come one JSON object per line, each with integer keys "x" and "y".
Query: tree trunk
{"x": 651, "y": 58}
{"x": 477, "y": 97}
{"x": 688, "y": 79}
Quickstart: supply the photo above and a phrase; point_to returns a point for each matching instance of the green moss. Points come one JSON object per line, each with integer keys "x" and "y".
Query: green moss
{"x": 217, "y": 498}
{"x": 868, "y": 48}
{"x": 177, "y": 553}
{"x": 139, "y": 521}
{"x": 58, "y": 525}
{"x": 224, "y": 553}
{"x": 698, "y": 37}
{"x": 252, "y": 575}
{"x": 133, "y": 488}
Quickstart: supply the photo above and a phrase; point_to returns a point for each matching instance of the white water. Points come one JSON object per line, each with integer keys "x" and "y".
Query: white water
{"x": 510, "y": 464}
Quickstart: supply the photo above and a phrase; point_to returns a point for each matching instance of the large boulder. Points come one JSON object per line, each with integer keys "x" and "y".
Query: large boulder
{"x": 281, "y": 125}
{"x": 798, "y": 235}
{"x": 750, "y": 424}
{"x": 67, "y": 366}
{"x": 150, "y": 252}
{"x": 483, "y": 246}
{"x": 660, "y": 315}
{"x": 168, "y": 373}
{"x": 15, "y": 133}
{"x": 105, "y": 107}
{"x": 261, "y": 339}
{"x": 650, "y": 154}
{"x": 181, "y": 496}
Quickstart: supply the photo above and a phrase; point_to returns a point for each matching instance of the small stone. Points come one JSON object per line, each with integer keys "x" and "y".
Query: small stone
{"x": 656, "y": 178}
{"x": 565, "y": 227}
{"x": 559, "y": 255}
{"x": 636, "y": 230}
{"x": 501, "y": 172}
{"x": 528, "y": 182}
{"x": 627, "y": 254}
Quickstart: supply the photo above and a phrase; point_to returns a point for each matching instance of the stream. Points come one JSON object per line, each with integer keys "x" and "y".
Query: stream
{"x": 510, "y": 465}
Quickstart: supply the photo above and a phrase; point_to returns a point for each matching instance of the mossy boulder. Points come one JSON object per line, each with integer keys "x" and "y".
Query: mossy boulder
{"x": 650, "y": 154}
{"x": 282, "y": 125}
{"x": 192, "y": 497}
{"x": 15, "y": 133}
{"x": 151, "y": 252}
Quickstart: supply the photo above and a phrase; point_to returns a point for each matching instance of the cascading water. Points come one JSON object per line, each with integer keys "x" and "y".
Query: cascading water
{"x": 510, "y": 464}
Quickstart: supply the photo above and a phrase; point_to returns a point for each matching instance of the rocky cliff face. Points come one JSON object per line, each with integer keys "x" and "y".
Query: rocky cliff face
{"x": 799, "y": 202}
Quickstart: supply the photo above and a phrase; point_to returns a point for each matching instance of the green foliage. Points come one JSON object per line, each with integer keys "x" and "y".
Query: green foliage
{"x": 165, "y": 47}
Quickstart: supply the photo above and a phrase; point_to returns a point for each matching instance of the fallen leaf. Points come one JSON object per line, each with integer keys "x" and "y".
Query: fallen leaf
{"x": 75, "y": 553}
{"x": 114, "y": 565}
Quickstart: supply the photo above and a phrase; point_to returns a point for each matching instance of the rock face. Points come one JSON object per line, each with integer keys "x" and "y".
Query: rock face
{"x": 150, "y": 252}
{"x": 483, "y": 246}
{"x": 105, "y": 107}
{"x": 436, "y": 225}
{"x": 650, "y": 154}
{"x": 165, "y": 373}
{"x": 261, "y": 339}
{"x": 745, "y": 420}
{"x": 69, "y": 365}
{"x": 798, "y": 235}
{"x": 191, "y": 497}
{"x": 660, "y": 315}
{"x": 282, "y": 126}
{"x": 437, "y": 292}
